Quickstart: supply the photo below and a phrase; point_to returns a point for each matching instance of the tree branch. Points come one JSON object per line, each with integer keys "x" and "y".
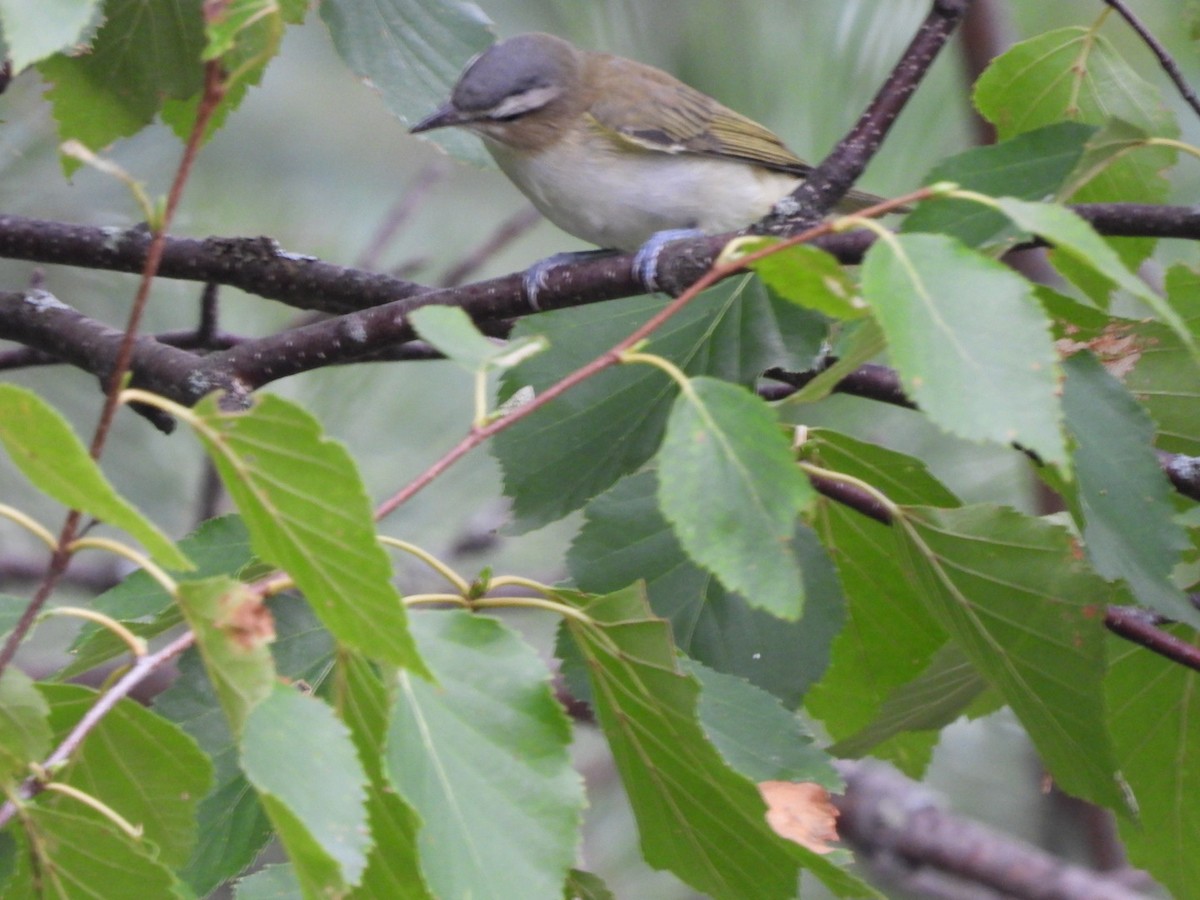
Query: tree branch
{"x": 1160, "y": 52}
{"x": 888, "y": 817}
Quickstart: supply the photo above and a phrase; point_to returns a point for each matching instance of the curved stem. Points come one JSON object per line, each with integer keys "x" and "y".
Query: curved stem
{"x": 124, "y": 550}
{"x": 460, "y": 583}
{"x": 134, "y": 831}
{"x": 29, "y": 524}
{"x": 136, "y": 645}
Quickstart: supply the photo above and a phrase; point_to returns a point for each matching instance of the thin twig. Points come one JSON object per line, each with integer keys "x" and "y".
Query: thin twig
{"x": 402, "y": 210}
{"x": 1164, "y": 58}
{"x": 214, "y": 90}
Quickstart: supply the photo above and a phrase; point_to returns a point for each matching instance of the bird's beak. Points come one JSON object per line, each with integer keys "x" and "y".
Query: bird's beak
{"x": 445, "y": 117}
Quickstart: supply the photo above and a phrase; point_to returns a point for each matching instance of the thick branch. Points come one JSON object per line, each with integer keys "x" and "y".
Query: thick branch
{"x": 886, "y": 816}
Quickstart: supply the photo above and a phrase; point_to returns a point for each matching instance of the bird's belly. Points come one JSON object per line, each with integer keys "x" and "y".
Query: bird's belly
{"x": 630, "y": 196}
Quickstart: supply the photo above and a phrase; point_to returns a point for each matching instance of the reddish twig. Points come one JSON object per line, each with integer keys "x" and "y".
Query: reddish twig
{"x": 1160, "y": 52}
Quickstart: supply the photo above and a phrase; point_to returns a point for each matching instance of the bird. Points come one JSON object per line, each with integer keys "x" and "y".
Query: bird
{"x": 616, "y": 152}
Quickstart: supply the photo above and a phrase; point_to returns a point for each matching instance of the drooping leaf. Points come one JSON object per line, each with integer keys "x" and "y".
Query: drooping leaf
{"x": 1032, "y": 165}
{"x": 696, "y": 816}
{"x": 393, "y": 865}
{"x": 890, "y": 636}
{"x": 1153, "y": 708}
{"x": 1124, "y": 499}
{"x": 580, "y": 444}
{"x": 142, "y": 55}
{"x": 731, "y": 489}
{"x": 306, "y": 509}
{"x": 233, "y": 632}
{"x": 482, "y": 758}
{"x": 942, "y": 306}
{"x": 137, "y": 763}
{"x": 46, "y": 450}
{"x": 806, "y": 276}
{"x": 1020, "y": 603}
{"x": 273, "y": 882}
{"x": 412, "y": 51}
{"x": 625, "y": 538}
{"x": 585, "y": 886}
{"x": 322, "y": 822}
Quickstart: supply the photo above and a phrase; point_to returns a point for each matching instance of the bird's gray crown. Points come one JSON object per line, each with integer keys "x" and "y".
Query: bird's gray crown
{"x": 533, "y": 66}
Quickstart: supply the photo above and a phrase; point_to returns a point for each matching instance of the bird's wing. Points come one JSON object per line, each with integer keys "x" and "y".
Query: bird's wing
{"x": 672, "y": 117}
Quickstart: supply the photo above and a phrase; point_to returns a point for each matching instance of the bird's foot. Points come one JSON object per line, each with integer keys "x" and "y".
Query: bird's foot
{"x": 536, "y": 277}
{"x": 645, "y": 261}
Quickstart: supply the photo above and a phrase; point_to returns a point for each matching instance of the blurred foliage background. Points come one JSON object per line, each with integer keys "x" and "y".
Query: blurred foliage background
{"x": 314, "y": 160}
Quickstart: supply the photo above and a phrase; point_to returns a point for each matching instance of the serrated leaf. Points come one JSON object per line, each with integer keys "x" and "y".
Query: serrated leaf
{"x": 1075, "y": 74}
{"x": 732, "y": 491}
{"x": 142, "y": 54}
{"x": 218, "y": 547}
{"x": 24, "y": 731}
{"x": 482, "y": 758}
{"x": 1124, "y": 498}
{"x": 450, "y": 330}
{"x": 1071, "y": 235}
{"x": 412, "y": 52}
{"x": 232, "y": 826}
{"x": 696, "y": 816}
{"x": 75, "y": 852}
{"x": 625, "y": 538}
{"x": 942, "y": 307}
{"x": 585, "y": 886}
{"x": 1032, "y": 166}
{"x": 306, "y": 509}
{"x": 582, "y": 443}
{"x": 139, "y": 764}
{"x": 46, "y": 450}
{"x": 34, "y": 31}
{"x": 890, "y": 636}
{"x": 233, "y": 632}
{"x": 858, "y": 343}
{"x": 755, "y": 734}
{"x": 321, "y": 822}
{"x": 1013, "y": 593}
{"x": 393, "y": 865}
{"x": 1153, "y": 708}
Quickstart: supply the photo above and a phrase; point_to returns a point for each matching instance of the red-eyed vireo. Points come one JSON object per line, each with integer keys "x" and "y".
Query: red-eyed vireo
{"x": 617, "y": 152}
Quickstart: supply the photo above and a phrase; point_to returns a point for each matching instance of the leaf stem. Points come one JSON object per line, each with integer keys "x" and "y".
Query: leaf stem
{"x": 134, "y": 831}
{"x": 136, "y": 645}
{"x": 460, "y": 583}
{"x": 29, "y": 524}
{"x": 167, "y": 583}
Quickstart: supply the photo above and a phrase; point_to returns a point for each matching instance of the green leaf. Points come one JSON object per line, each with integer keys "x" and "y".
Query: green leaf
{"x": 1027, "y": 612}
{"x": 273, "y": 882}
{"x": 755, "y": 734}
{"x": 696, "y": 816}
{"x": 806, "y": 276}
{"x": 142, "y": 54}
{"x": 233, "y": 630}
{"x": 482, "y": 757}
{"x": 450, "y": 330}
{"x": 393, "y": 865}
{"x": 942, "y": 306}
{"x": 580, "y": 444}
{"x": 1124, "y": 498}
{"x": 1074, "y": 74}
{"x": 322, "y": 822}
{"x": 412, "y": 51}
{"x": 859, "y": 343}
{"x": 24, "y": 731}
{"x": 890, "y": 636}
{"x": 306, "y": 509}
{"x": 34, "y": 31}
{"x": 1165, "y": 377}
{"x": 585, "y": 886}
{"x": 136, "y": 762}
{"x": 625, "y": 538}
{"x": 1073, "y": 236}
{"x": 1032, "y": 166}
{"x": 46, "y": 450}
{"x": 930, "y": 702}
{"x": 75, "y": 852}
{"x": 232, "y": 827}
{"x": 218, "y": 547}
{"x": 729, "y": 485}
{"x": 1153, "y": 708}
